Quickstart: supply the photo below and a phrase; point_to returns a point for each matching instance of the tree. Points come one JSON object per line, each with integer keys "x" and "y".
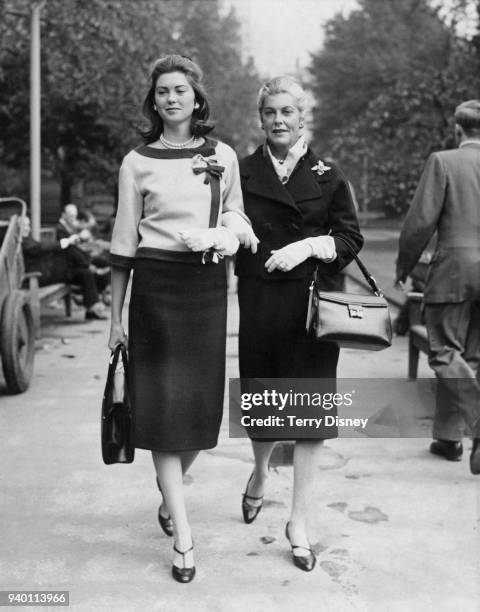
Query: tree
{"x": 95, "y": 62}
{"x": 381, "y": 113}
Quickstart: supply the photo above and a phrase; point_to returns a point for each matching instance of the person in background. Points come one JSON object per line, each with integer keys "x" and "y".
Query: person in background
{"x": 86, "y": 222}
{"x": 447, "y": 202}
{"x": 82, "y": 223}
{"x": 62, "y": 261}
{"x": 68, "y": 223}
{"x": 300, "y": 208}
{"x": 72, "y": 223}
{"x": 180, "y": 212}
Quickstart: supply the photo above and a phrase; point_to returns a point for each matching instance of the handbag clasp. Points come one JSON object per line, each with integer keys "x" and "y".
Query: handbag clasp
{"x": 355, "y": 311}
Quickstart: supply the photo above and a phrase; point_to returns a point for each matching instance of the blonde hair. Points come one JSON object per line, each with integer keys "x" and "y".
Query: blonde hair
{"x": 282, "y": 84}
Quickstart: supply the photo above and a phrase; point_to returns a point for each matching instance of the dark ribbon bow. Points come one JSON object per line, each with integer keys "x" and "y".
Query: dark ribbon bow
{"x": 210, "y": 169}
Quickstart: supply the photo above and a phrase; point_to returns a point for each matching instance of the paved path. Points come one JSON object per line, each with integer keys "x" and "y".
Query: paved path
{"x": 394, "y": 528}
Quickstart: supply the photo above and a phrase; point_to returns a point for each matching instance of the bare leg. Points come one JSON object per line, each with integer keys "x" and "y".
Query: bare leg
{"x": 186, "y": 458}
{"x": 170, "y": 476}
{"x": 304, "y": 467}
{"x": 256, "y": 486}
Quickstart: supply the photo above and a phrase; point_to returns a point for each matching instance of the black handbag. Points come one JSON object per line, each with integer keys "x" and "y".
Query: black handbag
{"x": 349, "y": 320}
{"x": 117, "y": 418}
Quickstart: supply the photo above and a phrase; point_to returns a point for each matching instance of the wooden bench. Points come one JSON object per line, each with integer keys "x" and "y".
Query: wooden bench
{"x": 53, "y": 293}
{"x": 44, "y": 296}
{"x": 417, "y": 335}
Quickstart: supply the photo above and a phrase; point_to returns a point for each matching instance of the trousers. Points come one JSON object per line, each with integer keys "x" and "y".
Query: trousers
{"x": 86, "y": 280}
{"x": 454, "y": 355}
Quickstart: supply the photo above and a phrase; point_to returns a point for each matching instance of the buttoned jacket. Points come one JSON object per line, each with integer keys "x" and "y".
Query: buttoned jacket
{"x": 309, "y": 204}
{"x": 447, "y": 200}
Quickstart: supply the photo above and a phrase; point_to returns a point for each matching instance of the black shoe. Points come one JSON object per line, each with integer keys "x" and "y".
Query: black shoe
{"x": 305, "y": 562}
{"x": 183, "y": 574}
{"x": 249, "y": 512}
{"x": 448, "y": 449}
{"x": 166, "y": 522}
{"x": 475, "y": 456}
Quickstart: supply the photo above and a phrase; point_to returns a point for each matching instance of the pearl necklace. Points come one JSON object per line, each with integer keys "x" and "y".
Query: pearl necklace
{"x": 176, "y": 145}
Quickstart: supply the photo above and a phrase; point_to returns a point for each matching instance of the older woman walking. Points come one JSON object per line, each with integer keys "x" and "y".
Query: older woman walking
{"x": 301, "y": 209}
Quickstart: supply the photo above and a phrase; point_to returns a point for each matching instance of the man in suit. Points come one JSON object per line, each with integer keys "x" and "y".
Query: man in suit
{"x": 447, "y": 200}
{"x": 95, "y": 251}
{"x": 61, "y": 261}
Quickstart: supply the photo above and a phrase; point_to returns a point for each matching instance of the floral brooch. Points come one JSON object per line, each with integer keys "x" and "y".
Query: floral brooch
{"x": 320, "y": 168}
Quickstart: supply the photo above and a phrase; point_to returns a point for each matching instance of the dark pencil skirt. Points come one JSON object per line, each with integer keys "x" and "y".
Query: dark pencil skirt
{"x": 177, "y": 334}
{"x": 272, "y": 338}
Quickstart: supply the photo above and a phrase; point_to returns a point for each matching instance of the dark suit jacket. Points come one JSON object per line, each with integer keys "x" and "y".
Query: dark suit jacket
{"x": 55, "y": 264}
{"x": 62, "y": 231}
{"x": 47, "y": 258}
{"x": 447, "y": 199}
{"x": 308, "y": 205}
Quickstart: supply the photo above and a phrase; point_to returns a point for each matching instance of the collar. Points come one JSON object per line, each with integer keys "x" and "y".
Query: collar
{"x": 285, "y": 168}
{"x": 207, "y": 149}
{"x": 470, "y": 141}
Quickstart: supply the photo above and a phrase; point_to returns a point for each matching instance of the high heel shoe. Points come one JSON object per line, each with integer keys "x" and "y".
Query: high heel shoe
{"x": 183, "y": 574}
{"x": 166, "y": 522}
{"x": 304, "y": 562}
{"x": 250, "y": 512}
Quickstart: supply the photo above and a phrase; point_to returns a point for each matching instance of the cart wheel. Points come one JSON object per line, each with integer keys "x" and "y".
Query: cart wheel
{"x": 17, "y": 341}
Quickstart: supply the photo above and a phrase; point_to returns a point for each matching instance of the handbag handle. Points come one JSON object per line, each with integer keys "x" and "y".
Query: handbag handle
{"x": 368, "y": 277}
{"x": 118, "y": 349}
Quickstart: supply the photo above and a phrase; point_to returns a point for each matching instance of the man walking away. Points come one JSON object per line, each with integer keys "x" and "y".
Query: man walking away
{"x": 447, "y": 200}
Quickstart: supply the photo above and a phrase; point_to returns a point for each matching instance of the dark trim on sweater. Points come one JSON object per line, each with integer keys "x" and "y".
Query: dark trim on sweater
{"x": 207, "y": 149}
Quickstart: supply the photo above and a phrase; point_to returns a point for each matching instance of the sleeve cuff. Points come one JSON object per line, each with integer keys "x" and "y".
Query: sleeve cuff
{"x": 232, "y": 217}
{"x": 120, "y": 261}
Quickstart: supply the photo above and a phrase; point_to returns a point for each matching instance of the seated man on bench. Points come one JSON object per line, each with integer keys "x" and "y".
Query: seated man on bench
{"x": 62, "y": 262}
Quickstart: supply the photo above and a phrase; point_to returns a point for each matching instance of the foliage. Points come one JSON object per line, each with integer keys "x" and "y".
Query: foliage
{"x": 95, "y": 61}
{"x": 386, "y": 84}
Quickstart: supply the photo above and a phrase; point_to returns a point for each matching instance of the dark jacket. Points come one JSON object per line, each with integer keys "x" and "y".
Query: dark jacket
{"x": 308, "y": 205}
{"x": 447, "y": 202}
{"x": 55, "y": 264}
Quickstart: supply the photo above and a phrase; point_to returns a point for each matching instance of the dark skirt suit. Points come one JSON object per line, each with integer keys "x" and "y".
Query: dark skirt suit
{"x": 273, "y": 306}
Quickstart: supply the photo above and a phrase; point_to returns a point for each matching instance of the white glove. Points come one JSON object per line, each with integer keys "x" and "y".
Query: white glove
{"x": 289, "y": 256}
{"x": 242, "y": 230}
{"x": 323, "y": 247}
{"x": 219, "y": 238}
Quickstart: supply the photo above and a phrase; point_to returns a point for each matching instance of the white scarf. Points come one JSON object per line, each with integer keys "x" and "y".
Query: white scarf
{"x": 284, "y": 169}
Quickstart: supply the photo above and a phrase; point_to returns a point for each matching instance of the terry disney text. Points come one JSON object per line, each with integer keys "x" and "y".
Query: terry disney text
{"x": 271, "y": 408}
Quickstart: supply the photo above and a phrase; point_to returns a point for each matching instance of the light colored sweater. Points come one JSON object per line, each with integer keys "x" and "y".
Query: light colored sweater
{"x": 160, "y": 196}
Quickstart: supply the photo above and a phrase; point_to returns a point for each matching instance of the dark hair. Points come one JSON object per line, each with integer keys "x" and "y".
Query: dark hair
{"x": 467, "y": 115}
{"x": 201, "y": 123}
